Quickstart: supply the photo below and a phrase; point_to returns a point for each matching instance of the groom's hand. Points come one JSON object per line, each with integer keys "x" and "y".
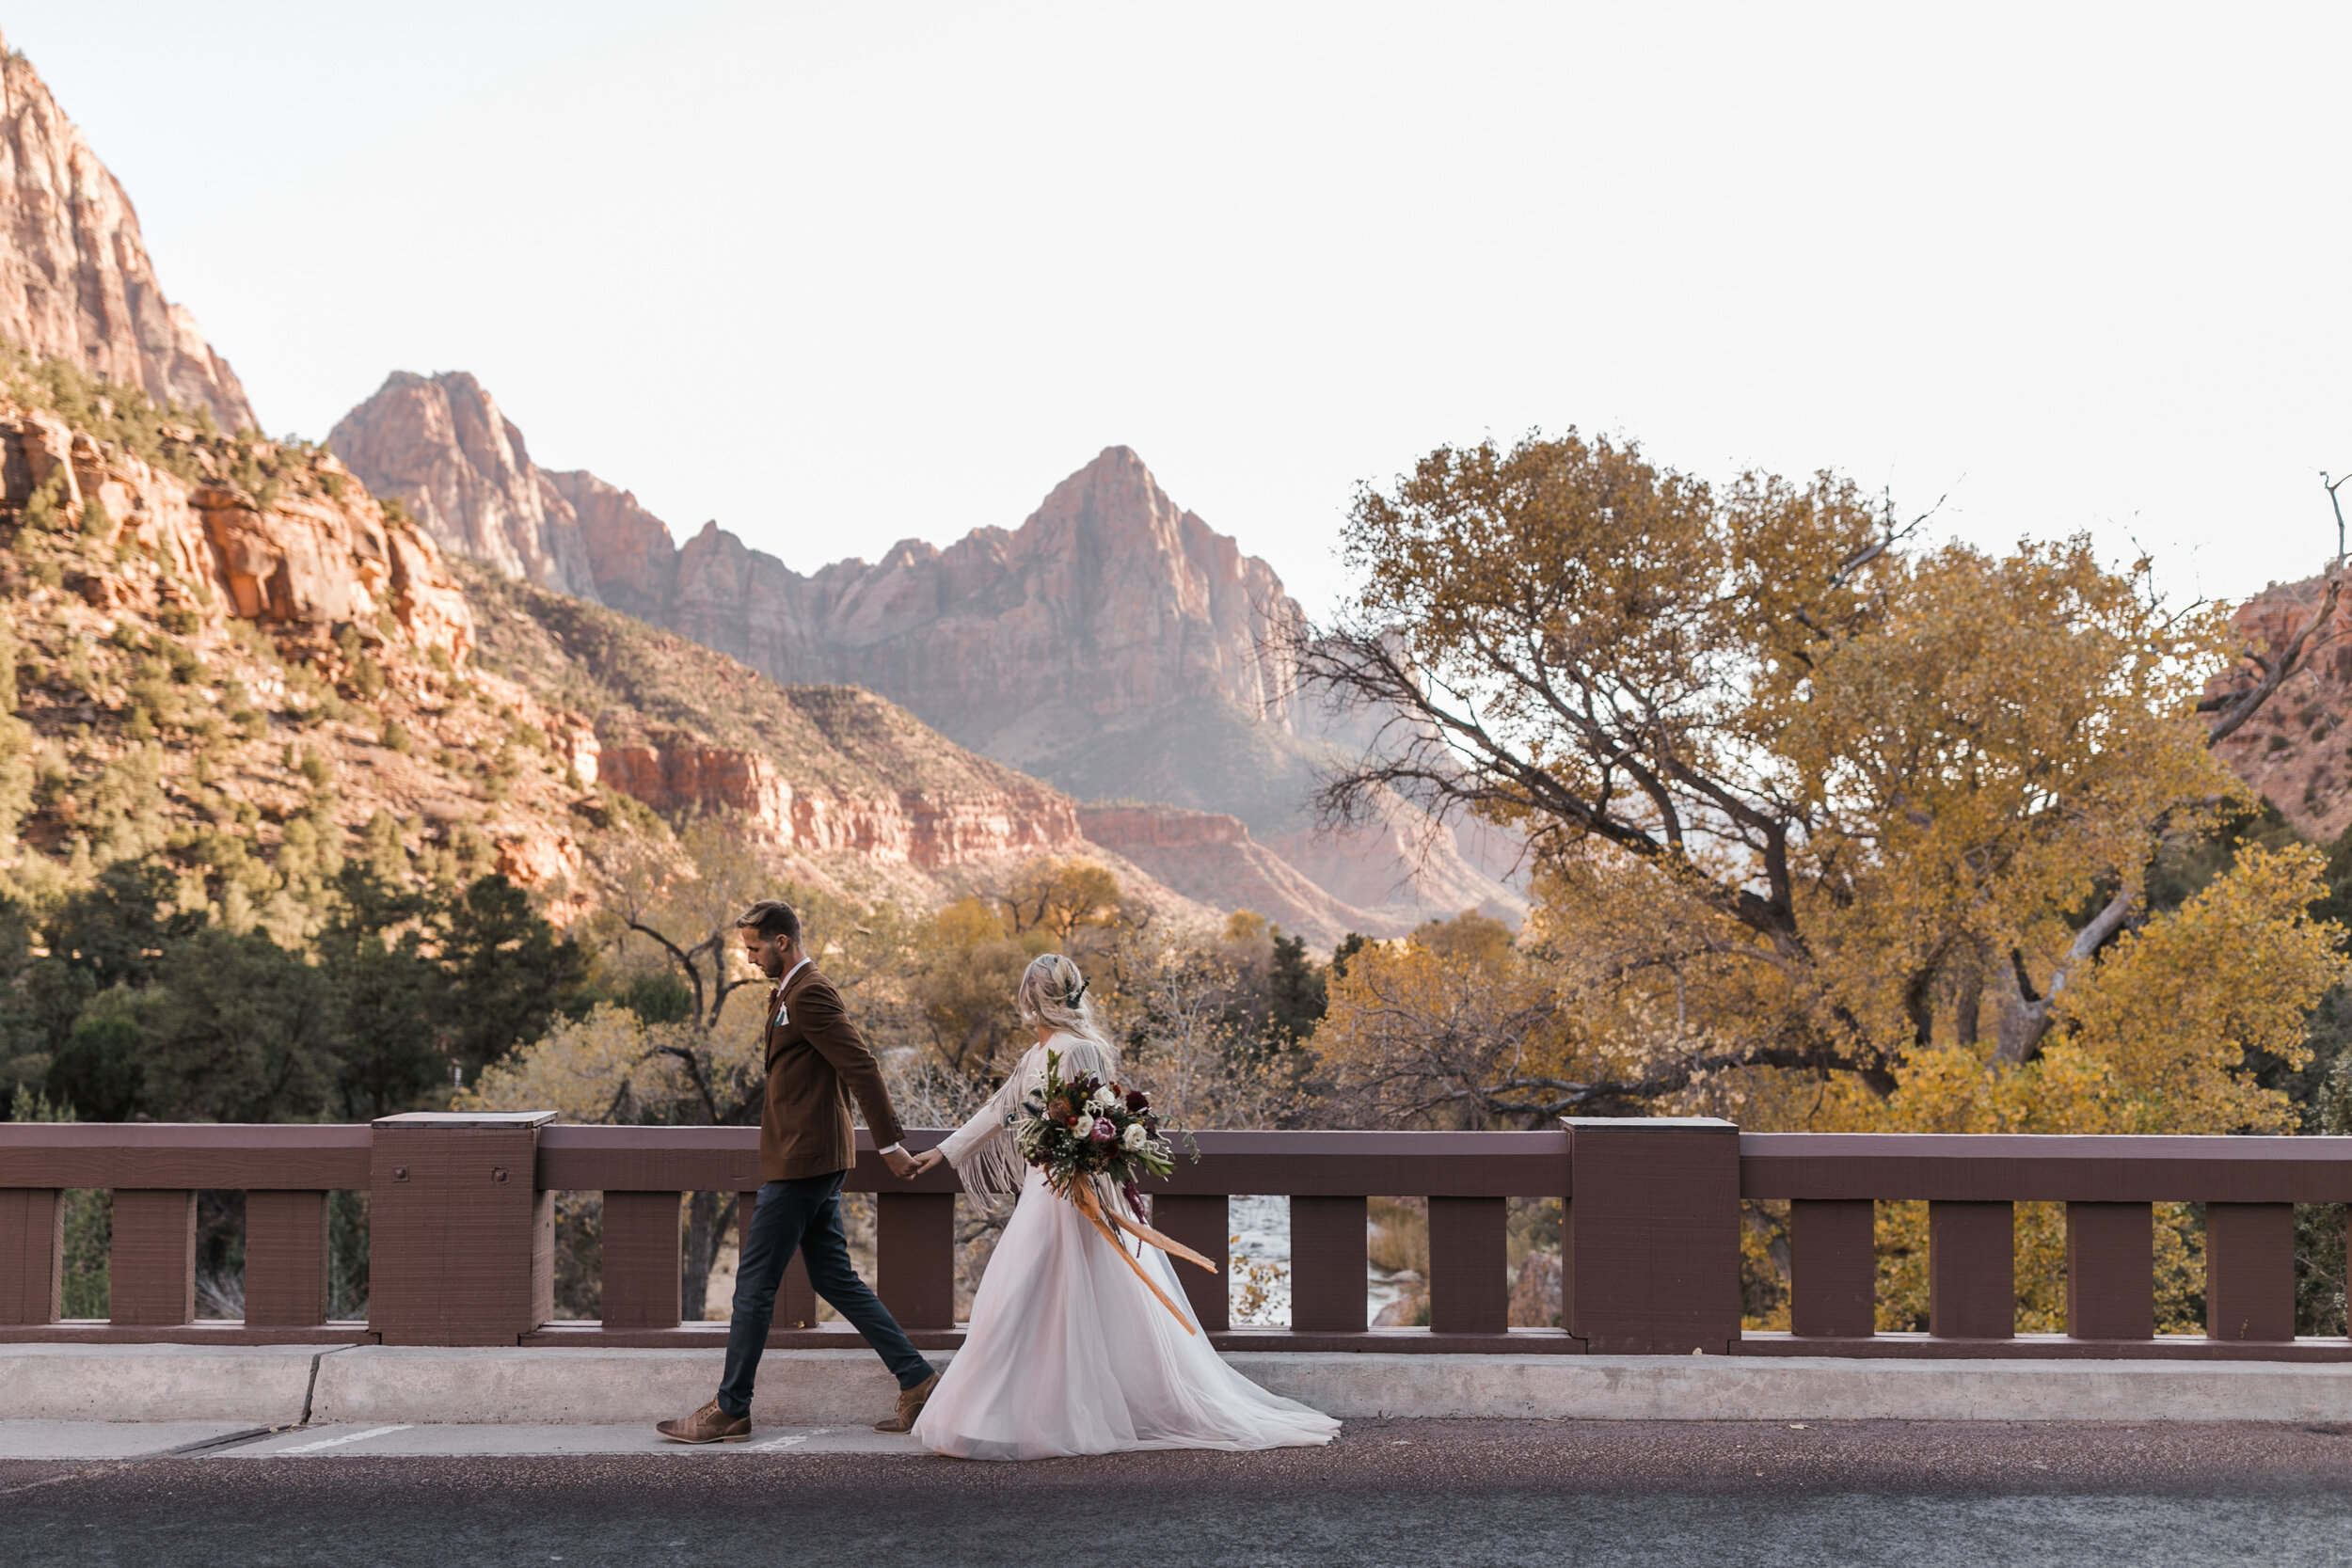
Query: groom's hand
{"x": 901, "y": 1164}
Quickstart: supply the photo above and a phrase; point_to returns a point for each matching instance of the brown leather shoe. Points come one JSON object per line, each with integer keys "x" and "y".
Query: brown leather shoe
{"x": 910, "y": 1404}
{"x": 710, "y": 1424}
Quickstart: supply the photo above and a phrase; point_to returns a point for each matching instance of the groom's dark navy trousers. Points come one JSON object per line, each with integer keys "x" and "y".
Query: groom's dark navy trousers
{"x": 806, "y": 1214}
{"x": 815, "y": 1060}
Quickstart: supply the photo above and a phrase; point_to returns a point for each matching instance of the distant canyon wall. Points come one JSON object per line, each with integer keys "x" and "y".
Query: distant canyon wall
{"x": 1114, "y": 645}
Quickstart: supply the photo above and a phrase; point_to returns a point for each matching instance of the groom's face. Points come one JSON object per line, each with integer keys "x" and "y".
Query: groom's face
{"x": 766, "y": 952}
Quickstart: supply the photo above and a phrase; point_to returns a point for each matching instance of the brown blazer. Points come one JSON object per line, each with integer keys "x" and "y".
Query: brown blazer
{"x": 815, "y": 1060}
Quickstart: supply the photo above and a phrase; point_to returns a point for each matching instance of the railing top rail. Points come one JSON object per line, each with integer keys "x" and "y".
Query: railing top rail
{"x": 1343, "y": 1164}
{"x": 2027, "y": 1167}
{"x": 249, "y": 1155}
{"x": 1988, "y": 1167}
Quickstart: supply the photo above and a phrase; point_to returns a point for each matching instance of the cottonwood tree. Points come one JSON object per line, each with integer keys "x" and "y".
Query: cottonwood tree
{"x": 1802, "y": 793}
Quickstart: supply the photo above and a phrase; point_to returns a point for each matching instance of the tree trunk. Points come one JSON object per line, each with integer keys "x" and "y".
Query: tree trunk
{"x": 1968, "y": 1006}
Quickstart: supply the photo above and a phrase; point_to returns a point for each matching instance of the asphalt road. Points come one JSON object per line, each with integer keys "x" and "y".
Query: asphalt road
{"x": 1417, "y": 1493}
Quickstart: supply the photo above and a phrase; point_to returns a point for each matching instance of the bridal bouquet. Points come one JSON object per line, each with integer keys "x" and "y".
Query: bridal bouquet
{"x": 1085, "y": 1136}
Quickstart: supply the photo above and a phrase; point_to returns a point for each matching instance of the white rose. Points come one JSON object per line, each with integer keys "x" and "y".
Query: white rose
{"x": 1104, "y": 1098}
{"x": 1083, "y": 1128}
{"x": 1135, "y": 1137}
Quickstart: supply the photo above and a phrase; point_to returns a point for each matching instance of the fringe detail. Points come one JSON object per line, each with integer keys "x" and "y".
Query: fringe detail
{"x": 992, "y": 1168}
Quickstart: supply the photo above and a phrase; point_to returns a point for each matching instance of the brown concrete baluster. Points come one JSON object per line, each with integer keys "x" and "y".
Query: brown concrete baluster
{"x": 1832, "y": 1266}
{"x": 915, "y": 1246}
{"x": 1327, "y": 1258}
{"x": 1469, "y": 1281}
{"x": 461, "y": 1238}
{"x": 1972, "y": 1271}
{"x": 2250, "y": 1270}
{"x": 285, "y": 1258}
{"x": 153, "y": 1264}
{"x": 2110, "y": 1271}
{"x": 1200, "y": 1223}
{"x": 1650, "y": 1256}
{"x": 32, "y": 1255}
{"x": 640, "y": 1261}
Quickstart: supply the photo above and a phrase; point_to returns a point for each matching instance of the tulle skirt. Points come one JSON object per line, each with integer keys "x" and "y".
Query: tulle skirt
{"x": 1068, "y": 1354}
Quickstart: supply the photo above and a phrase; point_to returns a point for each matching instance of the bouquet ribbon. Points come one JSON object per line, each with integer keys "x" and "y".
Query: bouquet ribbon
{"x": 1082, "y": 1196}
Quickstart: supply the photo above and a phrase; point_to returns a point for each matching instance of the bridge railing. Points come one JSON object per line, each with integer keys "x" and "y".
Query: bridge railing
{"x": 462, "y": 1236}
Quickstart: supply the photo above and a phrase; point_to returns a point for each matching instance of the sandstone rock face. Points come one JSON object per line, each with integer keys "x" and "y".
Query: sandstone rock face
{"x": 2295, "y": 749}
{"x": 75, "y": 281}
{"x": 461, "y": 468}
{"x": 914, "y": 827}
{"x": 306, "y": 559}
{"x": 630, "y": 556}
{"x": 1211, "y": 857}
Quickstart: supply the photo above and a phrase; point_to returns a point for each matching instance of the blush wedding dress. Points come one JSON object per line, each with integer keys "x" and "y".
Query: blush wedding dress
{"x": 1067, "y": 1353}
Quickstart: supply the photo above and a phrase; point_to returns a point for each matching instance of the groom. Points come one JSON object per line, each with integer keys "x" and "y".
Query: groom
{"x": 815, "y": 1060}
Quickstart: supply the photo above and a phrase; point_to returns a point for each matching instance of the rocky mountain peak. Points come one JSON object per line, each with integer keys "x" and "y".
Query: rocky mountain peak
{"x": 439, "y": 445}
{"x": 75, "y": 280}
{"x": 1114, "y": 644}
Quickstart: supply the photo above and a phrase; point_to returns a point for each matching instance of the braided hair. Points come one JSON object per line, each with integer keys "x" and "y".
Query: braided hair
{"x": 1055, "y": 993}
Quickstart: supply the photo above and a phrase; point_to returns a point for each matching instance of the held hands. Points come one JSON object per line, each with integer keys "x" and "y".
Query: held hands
{"x": 901, "y": 1165}
{"x": 930, "y": 1159}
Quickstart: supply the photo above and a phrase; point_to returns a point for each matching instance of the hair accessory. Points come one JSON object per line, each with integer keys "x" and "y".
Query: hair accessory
{"x": 1078, "y": 995}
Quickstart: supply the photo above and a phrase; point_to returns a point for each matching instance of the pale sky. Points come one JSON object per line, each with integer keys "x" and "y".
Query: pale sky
{"x": 841, "y": 274}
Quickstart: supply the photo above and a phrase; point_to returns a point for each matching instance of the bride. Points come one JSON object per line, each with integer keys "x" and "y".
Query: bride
{"x": 1068, "y": 1353}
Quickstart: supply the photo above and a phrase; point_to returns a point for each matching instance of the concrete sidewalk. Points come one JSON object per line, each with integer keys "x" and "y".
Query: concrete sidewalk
{"x": 564, "y": 1387}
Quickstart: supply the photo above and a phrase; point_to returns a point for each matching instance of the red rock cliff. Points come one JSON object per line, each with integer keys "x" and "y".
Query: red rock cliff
{"x": 319, "y": 553}
{"x": 75, "y": 281}
{"x": 2292, "y": 750}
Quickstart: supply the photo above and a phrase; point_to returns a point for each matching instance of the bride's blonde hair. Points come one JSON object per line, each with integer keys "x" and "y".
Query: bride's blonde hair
{"x": 1053, "y": 993}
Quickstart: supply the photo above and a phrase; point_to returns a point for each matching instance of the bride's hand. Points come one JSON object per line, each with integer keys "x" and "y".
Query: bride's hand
{"x": 930, "y": 1159}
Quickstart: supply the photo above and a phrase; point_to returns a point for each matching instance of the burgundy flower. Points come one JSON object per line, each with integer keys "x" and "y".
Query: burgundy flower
{"x": 1138, "y": 1102}
{"x": 1103, "y": 1131}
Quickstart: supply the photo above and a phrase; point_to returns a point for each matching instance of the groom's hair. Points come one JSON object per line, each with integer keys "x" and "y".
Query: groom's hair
{"x": 771, "y": 917}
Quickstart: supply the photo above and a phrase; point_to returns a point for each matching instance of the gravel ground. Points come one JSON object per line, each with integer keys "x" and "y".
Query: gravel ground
{"x": 1401, "y": 1492}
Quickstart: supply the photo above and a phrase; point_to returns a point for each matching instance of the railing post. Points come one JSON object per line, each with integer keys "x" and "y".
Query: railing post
{"x": 2250, "y": 1270}
{"x": 1650, "y": 1258}
{"x": 1202, "y": 1223}
{"x": 152, "y": 1267}
{"x": 461, "y": 1240}
{"x": 285, "y": 1258}
{"x": 1469, "y": 1281}
{"x": 2110, "y": 1271}
{"x": 1972, "y": 1271}
{"x": 639, "y": 1280}
{"x": 1832, "y": 1268}
{"x": 914, "y": 1258}
{"x": 1329, "y": 1254}
{"x": 32, "y": 1255}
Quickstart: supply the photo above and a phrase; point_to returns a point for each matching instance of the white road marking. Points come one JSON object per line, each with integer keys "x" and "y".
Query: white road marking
{"x": 789, "y": 1441}
{"x": 337, "y": 1442}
